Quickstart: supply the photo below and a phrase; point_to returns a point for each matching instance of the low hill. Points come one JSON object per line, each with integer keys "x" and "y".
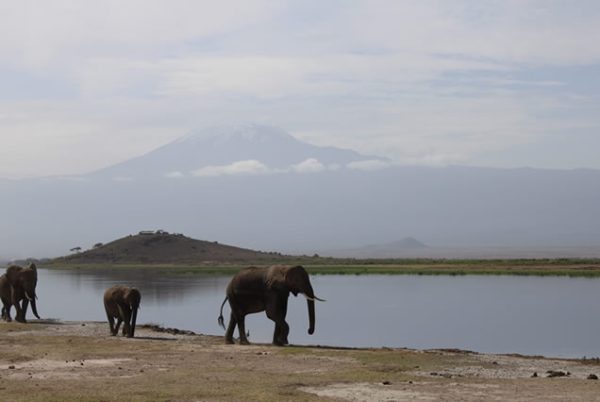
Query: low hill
{"x": 157, "y": 248}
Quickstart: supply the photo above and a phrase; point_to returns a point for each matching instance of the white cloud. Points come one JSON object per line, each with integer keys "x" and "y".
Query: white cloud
{"x": 310, "y": 165}
{"x": 85, "y": 85}
{"x": 174, "y": 175}
{"x": 368, "y": 165}
{"x": 41, "y": 36}
{"x": 248, "y": 167}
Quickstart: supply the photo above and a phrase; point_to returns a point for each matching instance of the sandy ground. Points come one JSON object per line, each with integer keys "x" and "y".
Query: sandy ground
{"x": 63, "y": 361}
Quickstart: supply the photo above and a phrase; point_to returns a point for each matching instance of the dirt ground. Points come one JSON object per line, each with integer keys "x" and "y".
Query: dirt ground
{"x": 79, "y": 361}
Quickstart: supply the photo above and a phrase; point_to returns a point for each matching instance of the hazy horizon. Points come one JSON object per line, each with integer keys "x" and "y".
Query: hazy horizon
{"x": 300, "y": 125}
{"x": 258, "y": 187}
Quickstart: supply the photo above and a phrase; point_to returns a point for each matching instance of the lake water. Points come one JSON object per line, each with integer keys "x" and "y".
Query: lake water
{"x": 551, "y": 316}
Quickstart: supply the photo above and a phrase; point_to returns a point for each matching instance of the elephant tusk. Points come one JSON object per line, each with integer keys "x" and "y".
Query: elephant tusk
{"x": 314, "y": 298}
{"x": 28, "y": 297}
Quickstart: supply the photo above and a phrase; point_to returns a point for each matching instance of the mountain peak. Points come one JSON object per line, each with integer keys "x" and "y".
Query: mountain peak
{"x": 243, "y": 132}
{"x": 234, "y": 149}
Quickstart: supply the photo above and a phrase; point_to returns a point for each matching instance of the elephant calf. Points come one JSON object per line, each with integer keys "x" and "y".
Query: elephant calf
{"x": 122, "y": 303}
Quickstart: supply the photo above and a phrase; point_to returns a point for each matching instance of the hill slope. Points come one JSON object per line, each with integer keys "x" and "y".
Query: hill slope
{"x": 166, "y": 248}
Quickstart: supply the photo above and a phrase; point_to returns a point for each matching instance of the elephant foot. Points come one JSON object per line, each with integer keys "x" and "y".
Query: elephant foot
{"x": 229, "y": 341}
{"x": 22, "y": 320}
{"x": 244, "y": 342}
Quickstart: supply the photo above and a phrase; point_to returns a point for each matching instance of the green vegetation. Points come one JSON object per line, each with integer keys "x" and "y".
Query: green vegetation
{"x": 178, "y": 254}
{"x": 331, "y": 266}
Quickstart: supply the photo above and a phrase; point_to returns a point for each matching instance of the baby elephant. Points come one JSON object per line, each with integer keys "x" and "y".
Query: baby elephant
{"x": 122, "y": 303}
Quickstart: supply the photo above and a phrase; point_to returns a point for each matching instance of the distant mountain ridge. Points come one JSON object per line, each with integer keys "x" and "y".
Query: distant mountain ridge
{"x": 272, "y": 147}
{"x": 151, "y": 247}
{"x": 263, "y": 189}
{"x": 395, "y": 249}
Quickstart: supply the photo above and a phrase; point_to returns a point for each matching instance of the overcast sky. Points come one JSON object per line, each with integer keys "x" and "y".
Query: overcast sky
{"x": 85, "y": 84}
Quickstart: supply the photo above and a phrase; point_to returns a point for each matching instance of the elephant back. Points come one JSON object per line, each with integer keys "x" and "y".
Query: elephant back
{"x": 16, "y": 274}
{"x": 13, "y": 272}
{"x": 3, "y": 283}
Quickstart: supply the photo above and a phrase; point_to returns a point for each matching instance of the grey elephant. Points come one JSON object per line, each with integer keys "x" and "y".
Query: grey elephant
{"x": 17, "y": 288}
{"x": 257, "y": 289}
{"x": 122, "y": 303}
{"x": 5, "y": 297}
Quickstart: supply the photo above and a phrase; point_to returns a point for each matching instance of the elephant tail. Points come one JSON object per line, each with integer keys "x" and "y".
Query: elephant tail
{"x": 221, "y": 321}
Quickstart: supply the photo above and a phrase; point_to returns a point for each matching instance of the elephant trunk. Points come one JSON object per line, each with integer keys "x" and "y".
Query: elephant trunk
{"x": 311, "y": 316}
{"x": 134, "y": 311}
{"x": 310, "y": 302}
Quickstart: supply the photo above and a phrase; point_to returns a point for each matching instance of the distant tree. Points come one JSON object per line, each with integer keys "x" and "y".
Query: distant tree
{"x": 75, "y": 249}
{"x": 98, "y": 245}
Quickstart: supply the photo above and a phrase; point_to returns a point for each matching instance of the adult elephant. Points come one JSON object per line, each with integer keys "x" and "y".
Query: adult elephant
{"x": 5, "y": 297}
{"x": 255, "y": 289}
{"x": 122, "y": 303}
{"x": 22, "y": 283}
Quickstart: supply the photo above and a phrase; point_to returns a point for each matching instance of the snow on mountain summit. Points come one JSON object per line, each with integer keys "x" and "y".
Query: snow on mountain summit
{"x": 226, "y": 148}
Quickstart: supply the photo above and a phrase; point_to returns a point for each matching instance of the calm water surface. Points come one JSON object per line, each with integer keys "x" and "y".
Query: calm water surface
{"x": 497, "y": 314}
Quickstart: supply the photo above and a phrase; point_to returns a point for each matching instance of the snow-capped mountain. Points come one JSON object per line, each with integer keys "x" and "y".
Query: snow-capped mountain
{"x": 235, "y": 149}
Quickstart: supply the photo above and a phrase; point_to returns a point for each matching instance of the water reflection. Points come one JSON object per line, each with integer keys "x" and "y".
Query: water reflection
{"x": 529, "y": 315}
{"x": 156, "y": 285}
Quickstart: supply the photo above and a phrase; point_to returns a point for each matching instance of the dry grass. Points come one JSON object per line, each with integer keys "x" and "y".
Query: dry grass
{"x": 52, "y": 361}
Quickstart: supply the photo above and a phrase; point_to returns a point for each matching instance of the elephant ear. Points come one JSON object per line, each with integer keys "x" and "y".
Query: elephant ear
{"x": 296, "y": 279}
{"x": 275, "y": 278}
{"x": 13, "y": 274}
{"x": 132, "y": 296}
{"x": 33, "y": 268}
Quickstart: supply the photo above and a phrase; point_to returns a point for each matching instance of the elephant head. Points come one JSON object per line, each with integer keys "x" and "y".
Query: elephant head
{"x": 295, "y": 280}
{"x": 132, "y": 297}
{"x": 23, "y": 282}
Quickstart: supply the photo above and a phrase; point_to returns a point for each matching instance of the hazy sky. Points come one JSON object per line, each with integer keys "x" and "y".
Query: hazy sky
{"x": 85, "y": 84}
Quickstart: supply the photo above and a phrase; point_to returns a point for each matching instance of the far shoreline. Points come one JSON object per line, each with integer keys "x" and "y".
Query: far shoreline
{"x": 558, "y": 267}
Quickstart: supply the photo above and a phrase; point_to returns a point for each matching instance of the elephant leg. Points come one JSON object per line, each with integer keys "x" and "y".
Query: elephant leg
{"x": 24, "y": 308}
{"x": 111, "y": 324}
{"x": 285, "y": 330}
{"x": 238, "y": 316}
{"x": 242, "y": 330}
{"x": 119, "y": 321}
{"x": 126, "y": 323}
{"x": 230, "y": 330}
{"x": 7, "y": 312}
{"x": 19, "y": 316}
{"x": 21, "y": 310}
{"x": 123, "y": 318}
{"x": 276, "y": 310}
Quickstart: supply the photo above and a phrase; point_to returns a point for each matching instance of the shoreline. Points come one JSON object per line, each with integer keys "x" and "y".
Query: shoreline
{"x": 577, "y": 268}
{"x": 78, "y": 360}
